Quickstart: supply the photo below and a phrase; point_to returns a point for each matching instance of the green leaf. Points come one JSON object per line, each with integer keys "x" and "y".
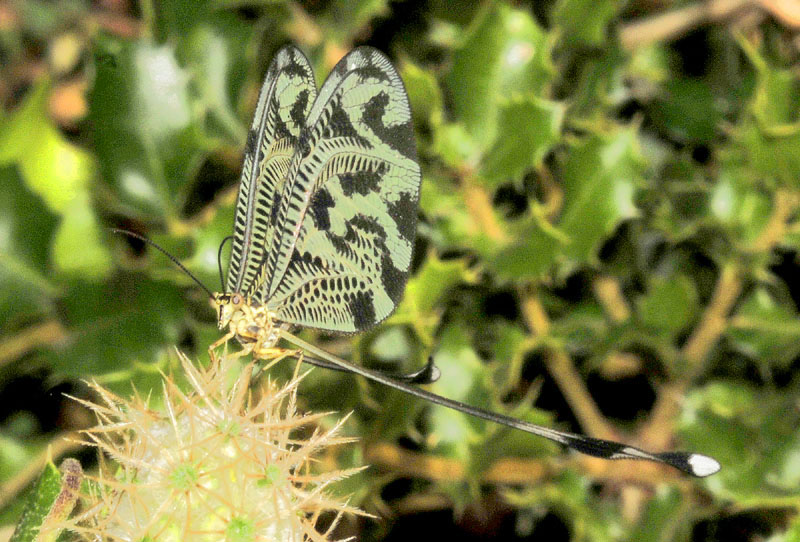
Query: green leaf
{"x": 768, "y": 139}
{"x": 775, "y": 99}
{"x": 50, "y": 503}
{"x": 669, "y": 305}
{"x": 434, "y": 279}
{"x": 27, "y": 226}
{"x": 15, "y": 454}
{"x": 146, "y": 137}
{"x": 455, "y": 226}
{"x": 179, "y": 18}
{"x": 650, "y": 63}
{"x": 504, "y": 442}
{"x": 215, "y": 51}
{"x": 767, "y": 328}
{"x": 534, "y": 125}
{"x": 26, "y": 222}
{"x": 392, "y": 344}
{"x": 509, "y": 346}
{"x": 456, "y": 147}
{"x": 78, "y": 247}
{"x": 112, "y": 325}
{"x": 752, "y": 432}
{"x": 739, "y": 204}
{"x": 664, "y": 517}
{"x": 43, "y": 18}
{"x": 531, "y": 255}
{"x": 689, "y": 111}
{"x": 570, "y": 496}
{"x": 345, "y": 19}
{"x": 585, "y": 327}
{"x": 425, "y": 291}
{"x": 424, "y": 94}
{"x": 601, "y": 86}
{"x": 585, "y": 22}
{"x": 207, "y": 241}
{"x": 53, "y": 168}
{"x": 452, "y": 433}
{"x": 504, "y": 53}
{"x": 600, "y": 178}
{"x": 775, "y": 155}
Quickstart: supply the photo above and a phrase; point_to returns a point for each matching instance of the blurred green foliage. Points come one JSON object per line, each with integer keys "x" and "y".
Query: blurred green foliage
{"x": 607, "y": 244}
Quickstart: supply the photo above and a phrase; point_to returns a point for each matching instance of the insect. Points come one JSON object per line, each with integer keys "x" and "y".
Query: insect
{"x": 325, "y": 222}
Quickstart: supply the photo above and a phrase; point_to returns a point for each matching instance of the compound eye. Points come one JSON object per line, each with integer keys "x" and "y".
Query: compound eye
{"x": 236, "y": 299}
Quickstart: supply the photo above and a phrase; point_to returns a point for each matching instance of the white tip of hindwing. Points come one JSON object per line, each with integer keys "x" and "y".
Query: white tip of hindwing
{"x": 702, "y": 465}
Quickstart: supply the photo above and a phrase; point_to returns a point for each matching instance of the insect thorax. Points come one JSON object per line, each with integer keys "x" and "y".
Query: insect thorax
{"x": 249, "y": 321}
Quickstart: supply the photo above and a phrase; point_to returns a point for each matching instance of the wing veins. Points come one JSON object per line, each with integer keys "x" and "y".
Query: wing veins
{"x": 285, "y": 98}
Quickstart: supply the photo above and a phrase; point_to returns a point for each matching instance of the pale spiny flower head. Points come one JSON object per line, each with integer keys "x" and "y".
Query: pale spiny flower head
{"x": 221, "y": 462}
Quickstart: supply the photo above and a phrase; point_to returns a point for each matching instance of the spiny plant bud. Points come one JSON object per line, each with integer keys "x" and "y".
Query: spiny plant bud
{"x": 222, "y": 462}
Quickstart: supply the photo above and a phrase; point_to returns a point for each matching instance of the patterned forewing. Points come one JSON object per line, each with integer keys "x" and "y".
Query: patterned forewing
{"x": 284, "y": 102}
{"x": 348, "y": 213}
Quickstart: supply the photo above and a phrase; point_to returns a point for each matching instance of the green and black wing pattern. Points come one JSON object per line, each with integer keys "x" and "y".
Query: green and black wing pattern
{"x": 284, "y": 102}
{"x": 343, "y": 227}
{"x": 327, "y": 214}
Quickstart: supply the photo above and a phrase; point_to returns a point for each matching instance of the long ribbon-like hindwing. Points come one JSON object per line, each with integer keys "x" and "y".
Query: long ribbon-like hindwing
{"x": 347, "y": 218}
{"x": 284, "y": 102}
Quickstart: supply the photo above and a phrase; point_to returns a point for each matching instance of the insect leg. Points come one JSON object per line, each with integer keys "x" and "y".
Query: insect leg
{"x": 225, "y": 338}
{"x": 246, "y": 349}
{"x": 274, "y": 355}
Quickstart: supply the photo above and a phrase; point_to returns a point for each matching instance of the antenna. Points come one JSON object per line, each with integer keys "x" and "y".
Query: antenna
{"x": 165, "y": 253}
{"x": 219, "y": 263}
{"x": 427, "y": 375}
{"x": 691, "y": 463}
